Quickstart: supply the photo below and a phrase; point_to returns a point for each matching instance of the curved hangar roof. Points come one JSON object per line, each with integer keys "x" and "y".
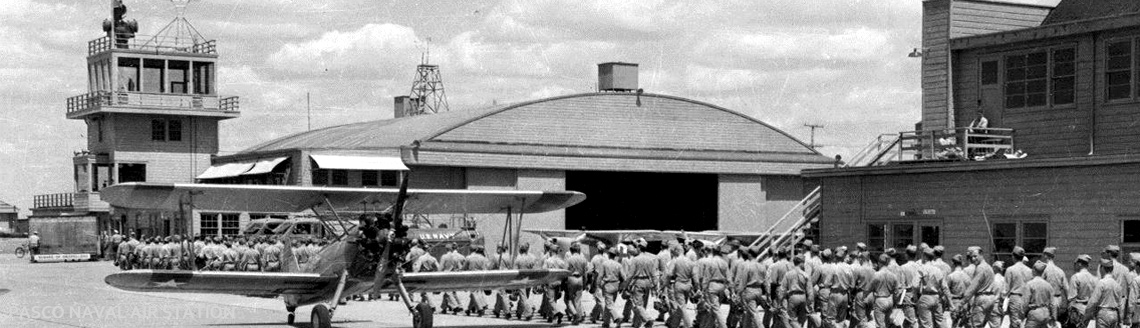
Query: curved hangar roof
{"x": 592, "y": 131}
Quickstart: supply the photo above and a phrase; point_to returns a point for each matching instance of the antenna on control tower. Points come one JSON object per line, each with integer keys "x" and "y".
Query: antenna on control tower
{"x": 427, "y": 96}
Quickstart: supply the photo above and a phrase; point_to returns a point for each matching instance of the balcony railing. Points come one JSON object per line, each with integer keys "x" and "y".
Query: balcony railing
{"x": 53, "y": 200}
{"x": 153, "y": 44}
{"x": 961, "y": 144}
{"x": 97, "y": 99}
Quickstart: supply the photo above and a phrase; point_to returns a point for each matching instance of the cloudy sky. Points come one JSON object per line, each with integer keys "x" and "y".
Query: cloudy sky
{"x": 840, "y": 63}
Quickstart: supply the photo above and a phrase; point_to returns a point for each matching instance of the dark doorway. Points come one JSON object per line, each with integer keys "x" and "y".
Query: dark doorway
{"x": 637, "y": 200}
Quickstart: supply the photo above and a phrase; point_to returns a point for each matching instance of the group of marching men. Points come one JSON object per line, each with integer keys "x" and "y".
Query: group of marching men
{"x": 261, "y": 254}
{"x": 806, "y": 286}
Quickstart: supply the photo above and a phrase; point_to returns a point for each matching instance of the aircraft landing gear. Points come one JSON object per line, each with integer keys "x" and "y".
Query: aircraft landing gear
{"x": 321, "y": 317}
{"x": 292, "y": 315}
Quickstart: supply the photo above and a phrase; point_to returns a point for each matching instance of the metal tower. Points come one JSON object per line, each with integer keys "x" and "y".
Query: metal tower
{"x": 427, "y": 96}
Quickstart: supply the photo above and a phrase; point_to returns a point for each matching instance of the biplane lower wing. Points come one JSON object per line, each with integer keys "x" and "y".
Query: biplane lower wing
{"x": 615, "y": 236}
{"x": 261, "y": 198}
{"x": 216, "y": 282}
{"x": 272, "y": 284}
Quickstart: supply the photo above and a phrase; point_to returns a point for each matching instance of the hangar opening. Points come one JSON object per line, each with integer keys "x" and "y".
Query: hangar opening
{"x": 643, "y": 200}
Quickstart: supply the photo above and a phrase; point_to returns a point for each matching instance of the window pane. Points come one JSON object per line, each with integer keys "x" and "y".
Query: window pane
{"x": 1014, "y": 61}
{"x": 1035, "y": 86}
{"x": 1014, "y": 101}
{"x": 1014, "y": 74}
{"x": 128, "y": 74}
{"x": 1065, "y": 55}
{"x": 1035, "y": 99}
{"x": 903, "y": 235}
{"x": 1064, "y": 69}
{"x": 174, "y": 130}
{"x": 389, "y": 178}
{"x": 989, "y": 72}
{"x": 1063, "y": 97}
{"x": 1035, "y": 230}
{"x": 1036, "y": 58}
{"x": 340, "y": 177}
{"x": 1118, "y": 92}
{"x": 203, "y": 78}
{"x": 1036, "y": 72}
{"x": 1005, "y": 230}
{"x": 158, "y": 130}
{"x": 931, "y": 235}
{"x": 1131, "y": 231}
{"x": 1014, "y": 88}
{"x": 152, "y": 75}
{"x": 320, "y": 177}
{"x": 369, "y": 178}
{"x": 876, "y": 237}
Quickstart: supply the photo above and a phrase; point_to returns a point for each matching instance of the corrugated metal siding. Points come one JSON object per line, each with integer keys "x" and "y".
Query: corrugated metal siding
{"x": 614, "y": 120}
{"x": 1083, "y": 205}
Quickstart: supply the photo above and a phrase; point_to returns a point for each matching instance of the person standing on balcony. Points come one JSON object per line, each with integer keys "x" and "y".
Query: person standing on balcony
{"x": 980, "y": 122}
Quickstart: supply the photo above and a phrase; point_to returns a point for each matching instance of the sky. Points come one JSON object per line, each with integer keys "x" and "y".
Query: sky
{"x": 839, "y": 63}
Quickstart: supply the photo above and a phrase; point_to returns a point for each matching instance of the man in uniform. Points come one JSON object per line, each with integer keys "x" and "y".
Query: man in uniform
{"x": 591, "y": 281}
{"x": 502, "y": 261}
{"x": 115, "y": 240}
{"x": 644, "y": 273}
{"x": 1107, "y": 301}
{"x": 1056, "y": 278}
{"x": 776, "y": 274}
{"x": 680, "y": 274}
{"x": 1038, "y": 296}
{"x": 882, "y": 289}
{"x": 1079, "y": 290}
{"x": 713, "y": 277}
{"x": 980, "y": 294}
{"x": 957, "y": 282}
{"x": 34, "y": 243}
{"x": 1133, "y": 290}
{"x": 822, "y": 278}
{"x": 909, "y": 277}
{"x": 524, "y": 261}
{"x": 932, "y": 290}
{"x": 753, "y": 287}
{"x": 230, "y": 258}
{"x": 451, "y": 261}
{"x": 575, "y": 284}
{"x": 797, "y": 294}
{"x": 425, "y": 263}
{"x": 609, "y": 280}
{"x": 1016, "y": 276}
{"x": 552, "y": 292}
{"x": 271, "y": 257}
{"x": 477, "y": 261}
{"x": 863, "y": 271}
{"x": 939, "y": 263}
{"x": 124, "y": 252}
{"x": 251, "y": 259}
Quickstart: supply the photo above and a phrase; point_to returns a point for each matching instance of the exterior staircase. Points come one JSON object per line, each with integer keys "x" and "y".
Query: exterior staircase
{"x": 805, "y": 219}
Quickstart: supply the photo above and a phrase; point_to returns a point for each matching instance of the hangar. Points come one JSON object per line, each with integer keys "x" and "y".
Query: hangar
{"x": 645, "y": 161}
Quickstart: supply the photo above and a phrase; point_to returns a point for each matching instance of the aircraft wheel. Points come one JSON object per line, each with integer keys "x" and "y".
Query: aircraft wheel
{"x": 292, "y": 316}
{"x": 423, "y": 316}
{"x": 321, "y": 317}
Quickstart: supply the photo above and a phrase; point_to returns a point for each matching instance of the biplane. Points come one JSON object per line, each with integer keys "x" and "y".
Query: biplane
{"x": 655, "y": 237}
{"x": 337, "y": 271}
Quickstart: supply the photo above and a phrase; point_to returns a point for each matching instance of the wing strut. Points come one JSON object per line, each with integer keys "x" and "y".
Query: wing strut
{"x": 339, "y": 220}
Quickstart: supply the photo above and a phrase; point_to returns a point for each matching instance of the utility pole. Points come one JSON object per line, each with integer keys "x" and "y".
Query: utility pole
{"x": 309, "y": 111}
{"x": 813, "y": 127}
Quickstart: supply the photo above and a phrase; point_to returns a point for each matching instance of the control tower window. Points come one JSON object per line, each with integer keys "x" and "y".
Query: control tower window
{"x": 132, "y": 172}
{"x": 158, "y": 130}
{"x": 179, "y": 76}
{"x": 152, "y": 75}
{"x": 203, "y": 78}
{"x": 128, "y": 74}
{"x": 174, "y": 130}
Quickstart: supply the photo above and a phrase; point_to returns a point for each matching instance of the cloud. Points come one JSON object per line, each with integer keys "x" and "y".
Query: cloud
{"x": 381, "y": 45}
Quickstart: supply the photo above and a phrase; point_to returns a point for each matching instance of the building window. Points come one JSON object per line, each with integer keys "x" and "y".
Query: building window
{"x": 876, "y": 237}
{"x": 178, "y": 75}
{"x": 339, "y": 177}
{"x": 132, "y": 172}
{"x": 152, "y": 75}
{"x": 158, "y": 130}
{"x": 231, "y": 224}
{"x": 1118, "y": 70}
{"x": 1063, "y": 82}
{"x": 369, "y": 178}
{"x": 320, "y": 177}
{"x": 1130, "y": 235}
{"x": 209, "y": 224}
{"x": 203, "y": 78}
{"x": 902, "y": 235}
{"x": 99, "y": 127}
{"x": 1039, "y": 78}
{"x": 1033, "y": 236}
{"x": 174, "y": 130}
{"x": 1025, "y": 80}
{"x": 389, "y": 178}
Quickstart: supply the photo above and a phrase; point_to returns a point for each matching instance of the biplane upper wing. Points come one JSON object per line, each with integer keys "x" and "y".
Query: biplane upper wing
{"x": 216, "y": 282}
{"x": 260, "y": 198}
{"x": 614, "y": 236}
{"x": 271, "y": 284}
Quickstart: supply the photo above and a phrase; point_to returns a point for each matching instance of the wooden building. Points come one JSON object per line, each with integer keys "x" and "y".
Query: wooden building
{"x": 1060, "y": 83}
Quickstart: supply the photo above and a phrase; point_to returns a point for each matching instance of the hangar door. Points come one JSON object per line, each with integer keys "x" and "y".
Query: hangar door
{"x": 639, "y": 200}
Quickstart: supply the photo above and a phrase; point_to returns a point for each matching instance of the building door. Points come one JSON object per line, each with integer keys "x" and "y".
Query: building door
{"x": 930, "y": 234}
{"x": 990, "y": 96}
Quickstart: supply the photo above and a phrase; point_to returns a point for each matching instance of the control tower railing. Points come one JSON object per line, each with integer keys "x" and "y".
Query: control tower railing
{"x": 162, "y": 44}
{"x": 98, "y": 99}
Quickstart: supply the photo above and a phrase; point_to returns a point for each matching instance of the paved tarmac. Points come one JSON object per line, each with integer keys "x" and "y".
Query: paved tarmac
{"x": 74, "y": 295}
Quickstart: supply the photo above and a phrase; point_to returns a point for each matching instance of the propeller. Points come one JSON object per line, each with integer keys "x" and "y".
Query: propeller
{"x": 400, "y": 232}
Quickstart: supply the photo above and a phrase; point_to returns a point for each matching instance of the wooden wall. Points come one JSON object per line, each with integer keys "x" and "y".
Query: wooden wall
{"x": 1083, "y": 205}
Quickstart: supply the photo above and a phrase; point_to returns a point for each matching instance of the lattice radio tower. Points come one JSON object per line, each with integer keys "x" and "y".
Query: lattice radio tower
{"x": 427, "y": 96}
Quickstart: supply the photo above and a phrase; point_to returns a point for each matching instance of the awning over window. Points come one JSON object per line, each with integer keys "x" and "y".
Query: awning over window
{"x": 265, "y": 165}
{"x": 225, "y": 170}
{"x": 339, "y": 162}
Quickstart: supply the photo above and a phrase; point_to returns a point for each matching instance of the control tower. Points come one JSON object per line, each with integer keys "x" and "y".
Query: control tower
{"x": 152, "y": 111}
